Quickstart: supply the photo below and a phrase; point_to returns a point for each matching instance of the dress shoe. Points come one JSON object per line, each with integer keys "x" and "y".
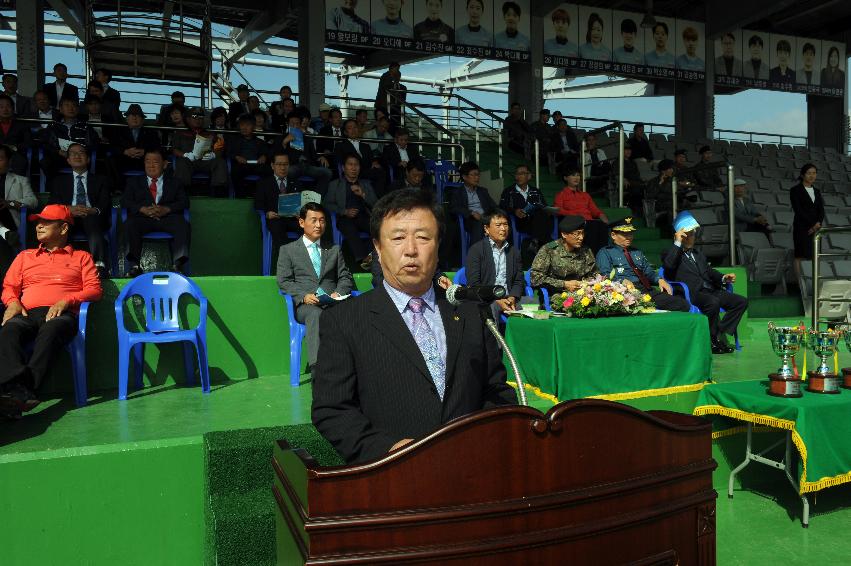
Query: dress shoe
{"x": 719, "y": 347}
{"x": 17, "y": 395}
{"x": 135, "y": 271}
{"x": 103, "y": 272}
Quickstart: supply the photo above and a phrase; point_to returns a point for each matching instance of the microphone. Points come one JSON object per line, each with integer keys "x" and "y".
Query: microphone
{"x": 455, "y": 294}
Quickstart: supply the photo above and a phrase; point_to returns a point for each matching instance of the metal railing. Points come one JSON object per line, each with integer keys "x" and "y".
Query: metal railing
{"x": 584, "y": 155}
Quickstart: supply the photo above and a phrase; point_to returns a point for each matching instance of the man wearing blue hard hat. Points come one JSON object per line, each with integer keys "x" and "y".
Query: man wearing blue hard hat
{"x": 682, "y": 262}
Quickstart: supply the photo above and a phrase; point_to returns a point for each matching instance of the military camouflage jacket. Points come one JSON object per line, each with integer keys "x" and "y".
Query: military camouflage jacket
{"x": 553, "y": 265}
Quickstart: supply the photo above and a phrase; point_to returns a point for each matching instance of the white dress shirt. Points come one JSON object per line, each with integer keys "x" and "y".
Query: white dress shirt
{"x": 159, "y": 188}
{"x": 85, "y": 177}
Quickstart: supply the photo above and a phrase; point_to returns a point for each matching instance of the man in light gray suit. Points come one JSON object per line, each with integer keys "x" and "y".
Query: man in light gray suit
{"x": 16, "y": 193}
{"x": 309, "y": 271}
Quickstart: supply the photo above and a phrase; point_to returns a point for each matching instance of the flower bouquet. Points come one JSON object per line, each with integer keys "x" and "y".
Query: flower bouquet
{"x": 601, "y": 296}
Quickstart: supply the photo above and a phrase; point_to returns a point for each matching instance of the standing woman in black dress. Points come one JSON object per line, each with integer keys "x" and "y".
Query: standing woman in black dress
{"x": 808, "y": 206}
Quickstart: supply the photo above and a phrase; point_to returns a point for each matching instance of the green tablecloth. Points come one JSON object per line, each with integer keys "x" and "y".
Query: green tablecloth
{"x": 617, "y": 357}
{"x": 820, "y": 425}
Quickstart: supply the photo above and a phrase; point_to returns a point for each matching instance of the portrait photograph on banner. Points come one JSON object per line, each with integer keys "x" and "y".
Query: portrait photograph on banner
{"x": 729, "y": 58}
{"x": 392, "y": 18}
{"x": 511, "y": 30}
{"x": 832, "y": 76}
{"x": 660, "y": 44}
{"x": 561, "y": 35}
{"x": 781, "y": 62}
{"x": 755, "y": 60}
{"x": 347, "y": 21}
{"x": 474, "y": 27}
{"x": 627, "y": 40}
{"x": 595, "y": 34}
{"x": 690, "y": 50}
{"x": 808, "y": 72}
{"x": 434, "y": 27}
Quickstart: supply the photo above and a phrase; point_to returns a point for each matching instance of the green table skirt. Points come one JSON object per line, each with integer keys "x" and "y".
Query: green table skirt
{"x": 820, "y": 425}
{"x": 615, "y": 358}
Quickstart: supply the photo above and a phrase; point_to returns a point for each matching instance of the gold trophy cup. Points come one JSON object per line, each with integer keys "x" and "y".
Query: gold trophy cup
{"x": 785, "y": 341}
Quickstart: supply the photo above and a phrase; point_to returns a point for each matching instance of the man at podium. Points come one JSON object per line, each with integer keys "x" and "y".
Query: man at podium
{"x": 399, "y": 361}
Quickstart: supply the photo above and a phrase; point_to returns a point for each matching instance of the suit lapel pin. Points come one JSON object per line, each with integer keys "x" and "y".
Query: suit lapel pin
{"x": 456, "y": 317}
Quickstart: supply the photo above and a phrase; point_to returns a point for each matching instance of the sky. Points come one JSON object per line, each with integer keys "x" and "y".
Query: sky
{"x": 752, "y": 110}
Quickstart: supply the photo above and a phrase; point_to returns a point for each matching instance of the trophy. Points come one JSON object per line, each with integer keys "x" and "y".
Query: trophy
{"x": 785, "y": 341}
{"x": 824, "y": 343}
{"x": 846, "y": 372}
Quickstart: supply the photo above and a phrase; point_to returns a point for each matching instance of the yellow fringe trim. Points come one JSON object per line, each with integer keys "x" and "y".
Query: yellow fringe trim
{"x": 755, "y": 418}
{"x": 650, "y": 392}
{"x": 537, "y": 391}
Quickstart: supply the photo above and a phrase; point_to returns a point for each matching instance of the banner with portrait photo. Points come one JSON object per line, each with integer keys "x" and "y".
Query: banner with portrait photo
{"x": 628, "y": 43}
{"x": 832, "y": 76}
{"x": 595, "y": 37}
{"x": 561, "y": 37}
{"x": 347, "y": 22}
{"x": 434, "y": 30}
{"x": 474, "y": 28}
{"x": 660, "y": 42}
{"x": 512, "y": 24}
{"x": 728, "y": 59}
{"x": 808, "y": 72}
{"x": 782, "y": 62}
{"x": 392, "y": 25}
{"x": 690, "y": 50}
{"x": 755, "y": 60}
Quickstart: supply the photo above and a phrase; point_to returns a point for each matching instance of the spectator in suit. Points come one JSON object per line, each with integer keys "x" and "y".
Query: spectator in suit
{"x": 303, "y": 161}
{"x": 362, "y": 119}
{"x": 397, "y": 155}
{"x": 808, "y": 206}
{"x": 386, "y": 357}
{"x": 43, "y": 109}
{"x": 633, "y": 184}
{"x": 323, "y": 119}
{"x": 573, "y": 201}
{"x": 748, "y": 218}
{"x": 597, "y": 166}
{"x": 60, "y": 88}
{"x": 212, "y": 161}
{"x": 129, "y": 144}
{"x": 565, "y": 144}
{"x": 155, "y": 203}
{"x": 42, "y": 293}
{"x": 370, "y": 164}
{"x": 239, "y": 106}
{"x": 659, "y": 189}
{"x": 543, "y": 132}
{"x": 494, "y": 261}
{"x": 88, "y": 197}
{"x": 247, "y": 153}
{"x": 106, "y": 109}
{"x": 94, "y": 116}
{"x": 706, "y": 285}
{"x": 219, "y": 118}
{"x": 21, "y": 103}
{"x": 389, "y": 81}
{"x": 351, "y": 198}
{"x": 728, "y": 64}
{"x": 414, "y": 178}
{"x": 178, "y": 100}
{"x": 268, "y": 190}
{"x": 110, "y": 96}
{"x": 16, "y": 194}
{"x": 334, "y": 128}
{"x": 518, "y": 134}
{"x": 381, "y": 131}
{"x": 307, "y": 270}
{"x": 277, "y": 111}
{"x": 527, "y": 204}
{"x": 707, "y": 179}
{"x": 471, "y": 201}
{"x": 640, "y": 144}
{"x": 755, "y": 67}
{"x": 70, "y": 128}
{"x": 15, "y": 135}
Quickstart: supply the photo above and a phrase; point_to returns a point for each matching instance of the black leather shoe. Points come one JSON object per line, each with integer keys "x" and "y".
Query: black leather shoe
{"x": 135, "y": 271}
{"x": 719, "y": 347}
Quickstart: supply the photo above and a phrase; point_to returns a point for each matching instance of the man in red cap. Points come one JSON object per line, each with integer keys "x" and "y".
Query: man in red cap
{"x": 42, "y": 293}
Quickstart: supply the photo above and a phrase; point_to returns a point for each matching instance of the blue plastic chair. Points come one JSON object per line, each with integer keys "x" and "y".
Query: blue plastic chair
{"x": 464, "y": 238}
{"x": 232, "y": 190}
{"x": 161, "y": 292}
{"x": 693, "y": 309}
{"x": 337, "y": 236}
{"x": 460, "y": 276}
{"x": 267, "y": 242}
{"x": 156, "y": 235}
{"x": 519, "y": 236}
{"x": 530, "y": 292}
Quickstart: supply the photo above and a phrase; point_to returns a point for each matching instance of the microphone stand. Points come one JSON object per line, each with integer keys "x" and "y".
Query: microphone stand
{"x": 485, "y": 312}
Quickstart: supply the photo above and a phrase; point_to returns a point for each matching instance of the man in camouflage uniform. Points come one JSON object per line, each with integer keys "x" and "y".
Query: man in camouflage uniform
{"x": 562, "y": 265}
{"x": 619, "y": 261}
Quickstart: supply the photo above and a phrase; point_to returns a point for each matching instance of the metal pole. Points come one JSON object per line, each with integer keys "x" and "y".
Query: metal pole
{"x": 621, "y": 142}
{"x": 816, "y": 246}
{"x": 477, "y": 139}
{"x": 582, "y": 164}
{"x": 673, "y": 197}
{"x": 731, "y": 214}
{"x": 499, "y": 172}
{"x": 537, "y": 160}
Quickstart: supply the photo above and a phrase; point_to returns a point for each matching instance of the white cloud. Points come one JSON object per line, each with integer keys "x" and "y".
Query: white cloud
{"x": 791, "y": 122}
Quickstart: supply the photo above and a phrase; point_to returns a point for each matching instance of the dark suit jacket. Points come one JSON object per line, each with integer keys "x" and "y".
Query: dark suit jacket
{"x": 693, "y": 273}
{"x": 266, "y": 197}
{"x": 458, "y": 203}
{"x": 69, "y": 91}
{"x": 345, "y": 147}
{"x": 323, "y": 145}
{"x": 806, "y": 211}
{"x": 392, "y": 157}
{"x": 235, "y": 110}
{"x": 121, "y": 140}
{"x": 19, "y": 135}
{"x": 372, "y": 388}
{"x": 482, "y": 271}
{"x": 62, "y": 191}
{"x": 137, "y": 194}
{"x": 113, "y": 98}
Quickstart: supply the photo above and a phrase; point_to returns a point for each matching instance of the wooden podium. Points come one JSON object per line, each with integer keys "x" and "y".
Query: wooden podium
{"x": 590, "y": 482}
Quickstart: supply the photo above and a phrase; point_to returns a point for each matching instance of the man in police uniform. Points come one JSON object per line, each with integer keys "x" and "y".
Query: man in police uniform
{"x": 563, "y": 264}
{"x": 619, "y": 260}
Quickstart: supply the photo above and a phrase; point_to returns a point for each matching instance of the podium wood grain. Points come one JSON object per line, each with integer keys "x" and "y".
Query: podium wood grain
{"x": 590, "y": 482}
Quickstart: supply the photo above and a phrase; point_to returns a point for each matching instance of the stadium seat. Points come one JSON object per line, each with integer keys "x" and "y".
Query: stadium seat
{"x": 297, "y": 331}
{"x": 160, "y": 293}
{"x": 460, "y": 276}
{"x": 159, "y": 235}
{"x": 692, "y": 308}
{"x": 337, "y": 236}
{"x": 268, "y": 252}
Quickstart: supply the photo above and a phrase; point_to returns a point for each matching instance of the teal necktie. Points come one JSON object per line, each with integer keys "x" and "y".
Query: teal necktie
{"x": 316, "y": 260}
